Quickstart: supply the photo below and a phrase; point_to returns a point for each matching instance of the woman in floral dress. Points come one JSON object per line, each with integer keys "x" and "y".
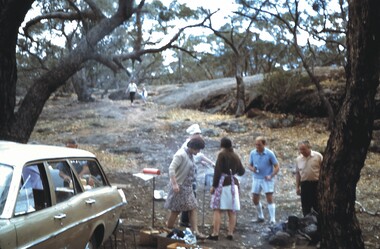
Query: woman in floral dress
{"x": 181, "y": 197}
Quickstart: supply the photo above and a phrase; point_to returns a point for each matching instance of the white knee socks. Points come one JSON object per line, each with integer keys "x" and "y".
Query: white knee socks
{"x": 272, "y": 212}
{"x": 259, "y": 209}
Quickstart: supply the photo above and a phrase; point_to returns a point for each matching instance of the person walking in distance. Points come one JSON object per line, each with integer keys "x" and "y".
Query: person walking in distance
{"x": 264, "y": 165}
{"x": 308, "y": 165}
{"x": 144, "y": 93}
{"x": 132, "y": 89}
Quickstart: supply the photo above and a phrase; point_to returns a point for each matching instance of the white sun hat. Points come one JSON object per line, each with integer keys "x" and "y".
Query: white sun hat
{"x": 193, "y": 129}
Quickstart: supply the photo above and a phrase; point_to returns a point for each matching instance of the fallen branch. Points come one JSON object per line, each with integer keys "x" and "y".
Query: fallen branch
{"x": 363, "y": 210}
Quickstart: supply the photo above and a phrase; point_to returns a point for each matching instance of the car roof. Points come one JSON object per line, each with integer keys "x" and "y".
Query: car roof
{"x": 12, "y": 153}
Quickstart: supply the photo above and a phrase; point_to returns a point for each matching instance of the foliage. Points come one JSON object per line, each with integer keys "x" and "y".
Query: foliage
{"x": 38, "y": 52}
{"x": 277, "y": 87}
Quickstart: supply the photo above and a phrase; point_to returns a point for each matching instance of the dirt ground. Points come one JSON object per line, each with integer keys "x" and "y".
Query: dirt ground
{"x": 127, "y": 139}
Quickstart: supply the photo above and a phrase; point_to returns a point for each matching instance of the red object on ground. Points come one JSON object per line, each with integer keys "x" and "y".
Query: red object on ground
{"x": 151, "y": 171}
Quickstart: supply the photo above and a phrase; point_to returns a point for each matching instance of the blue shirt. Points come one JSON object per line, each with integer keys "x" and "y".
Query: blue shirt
{"x": 264, "y": 162}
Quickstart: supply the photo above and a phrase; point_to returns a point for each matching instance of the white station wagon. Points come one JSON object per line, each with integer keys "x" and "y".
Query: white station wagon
{"x": 55, "y": 197}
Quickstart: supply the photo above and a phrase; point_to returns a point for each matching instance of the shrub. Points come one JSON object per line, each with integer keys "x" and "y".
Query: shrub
{"x": 278, "y": 87}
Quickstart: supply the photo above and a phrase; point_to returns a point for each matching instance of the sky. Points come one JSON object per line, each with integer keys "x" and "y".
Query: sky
{"x": 224, "y": 7}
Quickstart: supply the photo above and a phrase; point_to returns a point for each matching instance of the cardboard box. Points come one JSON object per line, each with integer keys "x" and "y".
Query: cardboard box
{"x": 183, "y": 245}
{"x": 148, "y": 237}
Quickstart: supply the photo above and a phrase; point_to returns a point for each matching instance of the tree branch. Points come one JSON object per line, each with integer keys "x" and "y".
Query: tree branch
{"x": 363, "y": 210}
{"x": 59, "y": 15}
{"x": 137, "y": 54}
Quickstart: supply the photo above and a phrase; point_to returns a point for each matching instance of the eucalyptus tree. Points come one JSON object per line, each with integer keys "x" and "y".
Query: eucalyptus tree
{"x": 17, "y": 121}
{"x": 182, "y": 63}
{"x": 233, "y": 36}
{"x": 352, "y": 131}
{"x": 290, "y": 21}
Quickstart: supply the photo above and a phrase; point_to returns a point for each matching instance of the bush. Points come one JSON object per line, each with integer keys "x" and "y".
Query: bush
{"x": 278, "y": 87}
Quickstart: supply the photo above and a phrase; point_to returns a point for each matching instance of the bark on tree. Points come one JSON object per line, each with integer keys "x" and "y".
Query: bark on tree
{"x": 240, "y": 93}
{"x": 236, "y": 44}
{"x": 13, "y": 14}
{"x": 80, "y": 84}
{"x": 18, "y": 125}
{"x": 351, "y": 134}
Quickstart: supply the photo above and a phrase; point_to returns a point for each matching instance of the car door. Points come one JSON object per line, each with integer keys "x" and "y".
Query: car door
{"x": 67, "y": 196}
{"x": 93, "y": 208}
{"x": 91, "y": 205}
{"x": 100, "y": 201}
{"x": 37, "y": 222}
{"x": 7, "y": 230}
{"x": 55, "y": 216}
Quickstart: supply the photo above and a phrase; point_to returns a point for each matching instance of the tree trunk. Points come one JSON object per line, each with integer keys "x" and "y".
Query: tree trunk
{"x": 240, "y": 86}
{"x": 81, "y": 88}
{"x": 179, "y": 71}
{"x": 240, "y": 95}
{"x": 19, "y": 126}
{"x": 12, "y": 15}
{"x": 351, "y": 134}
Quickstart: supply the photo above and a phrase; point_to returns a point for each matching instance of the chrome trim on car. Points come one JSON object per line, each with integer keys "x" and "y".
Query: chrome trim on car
{"x": 35, "y": 243}
{"x": 90, "y": 201}
{"x": 60, "y": 216}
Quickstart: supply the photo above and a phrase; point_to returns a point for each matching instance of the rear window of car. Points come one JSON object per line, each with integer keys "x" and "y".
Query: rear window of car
{"x": 94, "y": 177}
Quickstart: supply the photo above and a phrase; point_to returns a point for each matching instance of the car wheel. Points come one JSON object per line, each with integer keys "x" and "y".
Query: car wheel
{"x": 91, "y": 244}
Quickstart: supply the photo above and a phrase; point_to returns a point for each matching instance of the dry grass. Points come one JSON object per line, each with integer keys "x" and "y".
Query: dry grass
{"x": 177, "y": 114}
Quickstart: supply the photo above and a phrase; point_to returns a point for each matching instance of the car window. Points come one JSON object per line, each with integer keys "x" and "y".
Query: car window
{"x": 34, "y": 191}
{"x": 5, "y": 180}
{"x": 93, "y": 177}
{"x": 64, "y": 182}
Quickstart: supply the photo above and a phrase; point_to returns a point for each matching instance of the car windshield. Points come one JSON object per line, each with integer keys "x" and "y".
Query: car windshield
{"x": 5, "y": 180}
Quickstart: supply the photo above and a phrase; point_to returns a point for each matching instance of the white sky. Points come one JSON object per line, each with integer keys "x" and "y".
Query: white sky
{"x": 225, "y": 8}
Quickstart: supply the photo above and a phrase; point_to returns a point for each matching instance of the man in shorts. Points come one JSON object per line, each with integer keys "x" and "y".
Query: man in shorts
{"x": 264, "y": 165}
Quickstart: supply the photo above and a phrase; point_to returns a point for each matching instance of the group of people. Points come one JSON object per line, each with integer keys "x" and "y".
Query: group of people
{"x": 225, "y": 186}
{"x": 132, "y": 89}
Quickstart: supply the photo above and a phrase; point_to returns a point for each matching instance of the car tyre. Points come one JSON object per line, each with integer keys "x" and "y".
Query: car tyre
{"x": 91, "y": 244}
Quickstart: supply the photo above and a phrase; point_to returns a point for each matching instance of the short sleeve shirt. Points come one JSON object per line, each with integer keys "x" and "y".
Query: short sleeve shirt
{"x": 309, "y": 167}
{"x": 264, "y": 162}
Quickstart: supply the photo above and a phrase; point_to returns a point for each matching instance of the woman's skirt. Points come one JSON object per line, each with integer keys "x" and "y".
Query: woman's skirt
{"x": 227, "y": 202}
{"x": 184, "y": 200}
